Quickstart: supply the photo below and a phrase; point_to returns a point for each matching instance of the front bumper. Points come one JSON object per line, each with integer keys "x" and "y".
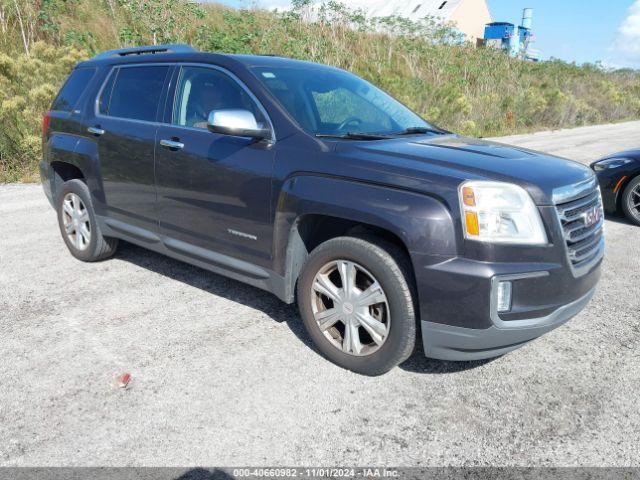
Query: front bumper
{"x": 458, "y": 309}
{"x": 447, "y": 342}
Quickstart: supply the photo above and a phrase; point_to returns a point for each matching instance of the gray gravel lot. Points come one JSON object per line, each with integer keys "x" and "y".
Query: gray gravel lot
{"x": 223, "y": 374}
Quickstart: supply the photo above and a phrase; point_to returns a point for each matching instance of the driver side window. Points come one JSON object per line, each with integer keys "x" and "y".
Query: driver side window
{"x": 201, "y": 90}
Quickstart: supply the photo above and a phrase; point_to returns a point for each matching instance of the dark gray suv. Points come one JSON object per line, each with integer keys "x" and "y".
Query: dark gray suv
{"x": 309, "y": 182}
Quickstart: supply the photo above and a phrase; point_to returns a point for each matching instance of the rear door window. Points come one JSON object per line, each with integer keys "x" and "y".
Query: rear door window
{"x": 73, "y": 89}
{"x": 135, "y": 92}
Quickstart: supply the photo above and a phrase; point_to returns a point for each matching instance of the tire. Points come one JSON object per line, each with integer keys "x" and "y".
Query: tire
{"x": 98, "y": 247}
{"x": 379, "y": 267}
{"x": 631, "y": 197}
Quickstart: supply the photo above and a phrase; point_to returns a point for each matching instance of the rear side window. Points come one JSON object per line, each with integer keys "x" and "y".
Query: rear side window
{"x": 73, "y": 89}
{"x": 105, "y": 96}
{"x": 134, "y": 93}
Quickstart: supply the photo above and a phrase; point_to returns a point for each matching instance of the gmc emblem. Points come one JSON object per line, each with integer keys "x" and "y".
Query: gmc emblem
{"x": 591, "y": 216}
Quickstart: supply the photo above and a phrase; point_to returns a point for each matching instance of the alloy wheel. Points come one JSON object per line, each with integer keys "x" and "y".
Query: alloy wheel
{"x": 633, "y": 201}
{"x": 350, "y": 307}
{"x": 75, "y": 218}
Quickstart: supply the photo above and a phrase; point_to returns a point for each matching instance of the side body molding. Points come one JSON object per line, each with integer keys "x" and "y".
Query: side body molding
{"x": 423, "y": 223}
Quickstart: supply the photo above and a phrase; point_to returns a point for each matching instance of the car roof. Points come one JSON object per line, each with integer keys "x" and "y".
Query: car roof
{"x": 184, "y": 53}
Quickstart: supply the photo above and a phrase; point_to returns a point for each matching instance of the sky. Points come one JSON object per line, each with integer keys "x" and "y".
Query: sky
{"x": 573, "y": 30}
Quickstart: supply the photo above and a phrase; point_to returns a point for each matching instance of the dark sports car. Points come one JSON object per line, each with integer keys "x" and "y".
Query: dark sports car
{"x": 619, "y": 177}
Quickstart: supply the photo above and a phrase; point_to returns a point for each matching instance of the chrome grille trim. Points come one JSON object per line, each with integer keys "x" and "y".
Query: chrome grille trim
{"x": 571, "y": 192}
{"x": 584, "y": 243}
{"x": 572, "y": 210}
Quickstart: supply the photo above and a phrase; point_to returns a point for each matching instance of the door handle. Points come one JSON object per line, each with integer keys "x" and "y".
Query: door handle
{"x": 97, "y": 131}
{"x": 173, "y": 145}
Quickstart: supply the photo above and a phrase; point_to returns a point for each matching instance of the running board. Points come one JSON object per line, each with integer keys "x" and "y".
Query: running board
{"x": 218, "y": 259}
{"x": 136, "y": 232}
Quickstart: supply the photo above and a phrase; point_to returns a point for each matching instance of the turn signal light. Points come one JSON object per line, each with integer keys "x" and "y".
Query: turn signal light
{"x": 619, "y": 184}
{"x": 472, "y": 223}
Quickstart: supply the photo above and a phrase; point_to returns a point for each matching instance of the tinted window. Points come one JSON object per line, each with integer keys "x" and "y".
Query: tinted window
{"x": 136, "y": 92}
{"x": 105, "y": 96}
{"x": 73, "y": 89}
{"x": 326, "y": 100}
{"x": 342, "y": 106}
{"x": 201, "y": 90}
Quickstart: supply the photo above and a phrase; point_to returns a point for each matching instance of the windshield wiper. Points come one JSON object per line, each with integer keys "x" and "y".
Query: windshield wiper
{"x": 418, "y": 130}
{"x": 354, "y": 136}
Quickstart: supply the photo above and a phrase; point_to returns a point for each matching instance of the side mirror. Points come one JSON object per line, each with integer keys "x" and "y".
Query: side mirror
{"x": 237, "y": 123}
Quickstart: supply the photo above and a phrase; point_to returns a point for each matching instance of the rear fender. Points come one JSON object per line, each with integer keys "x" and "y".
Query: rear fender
{"x": 84, "y": 156}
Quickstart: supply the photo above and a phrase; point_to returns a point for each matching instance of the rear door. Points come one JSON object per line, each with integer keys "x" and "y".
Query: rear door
{"x": 214, "y": 191}
{"x": 124, "y": 124}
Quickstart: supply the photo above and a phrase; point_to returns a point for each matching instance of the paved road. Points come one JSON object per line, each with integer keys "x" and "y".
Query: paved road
{"x": 584, "y": 144}
{"x": 222, "y": 373}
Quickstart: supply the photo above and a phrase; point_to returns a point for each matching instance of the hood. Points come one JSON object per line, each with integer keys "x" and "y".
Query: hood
{"x": 460, "y": 158}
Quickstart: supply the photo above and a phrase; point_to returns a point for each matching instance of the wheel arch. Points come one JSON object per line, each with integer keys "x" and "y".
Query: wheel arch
{"x": 619, "y": 193}
{"x": 67, "y": 171}
{"x": 74, "y": 158}
{"x": 312, "y": 210}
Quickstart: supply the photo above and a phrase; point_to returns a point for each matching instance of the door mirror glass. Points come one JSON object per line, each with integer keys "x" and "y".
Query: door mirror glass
{"x": 236, "y": 122}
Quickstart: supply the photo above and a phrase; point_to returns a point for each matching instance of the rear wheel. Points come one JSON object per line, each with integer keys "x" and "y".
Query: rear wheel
{"x": 357, "y": 304}
{"x": 78, "y": 225}
{"x": 631, "y": 201}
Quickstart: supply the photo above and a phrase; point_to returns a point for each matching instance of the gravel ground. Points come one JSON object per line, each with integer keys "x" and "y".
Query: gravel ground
{"x": 223, "y": 374}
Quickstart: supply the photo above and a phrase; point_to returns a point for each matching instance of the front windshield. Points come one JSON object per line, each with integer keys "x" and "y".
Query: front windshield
{"x": 328, "y": 101}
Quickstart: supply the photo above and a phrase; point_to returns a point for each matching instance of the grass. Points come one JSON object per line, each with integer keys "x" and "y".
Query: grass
{"x": 479, "y": 92}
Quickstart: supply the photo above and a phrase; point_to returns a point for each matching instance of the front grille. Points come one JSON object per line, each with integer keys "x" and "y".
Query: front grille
{"x": 582, "y": 220}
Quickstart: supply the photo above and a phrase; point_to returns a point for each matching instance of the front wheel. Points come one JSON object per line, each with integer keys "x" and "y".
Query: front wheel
{"x": 357, "y": 303}
{"x": 631, "y": 201}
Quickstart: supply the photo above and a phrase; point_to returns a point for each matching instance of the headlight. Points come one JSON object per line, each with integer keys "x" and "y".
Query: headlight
{"x": 499, "y": 212}
{"x": 611, "y": 163}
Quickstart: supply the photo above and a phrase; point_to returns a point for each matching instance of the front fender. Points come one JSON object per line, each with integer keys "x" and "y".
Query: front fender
{"x": 423, "y": 223}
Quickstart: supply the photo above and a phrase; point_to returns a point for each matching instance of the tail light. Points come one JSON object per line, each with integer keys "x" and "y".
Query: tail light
{"x": 45, "y": 123}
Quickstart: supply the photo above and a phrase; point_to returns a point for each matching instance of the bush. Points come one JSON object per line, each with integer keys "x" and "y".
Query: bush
{"x": 480, "y": 92}
{"x": 27, "y": 87}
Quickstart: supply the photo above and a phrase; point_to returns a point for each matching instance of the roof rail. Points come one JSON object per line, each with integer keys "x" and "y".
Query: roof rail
{"x": 149, "y": 49}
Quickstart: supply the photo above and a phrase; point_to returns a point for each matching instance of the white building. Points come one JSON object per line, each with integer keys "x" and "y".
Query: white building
{"x": 469, "y": 16}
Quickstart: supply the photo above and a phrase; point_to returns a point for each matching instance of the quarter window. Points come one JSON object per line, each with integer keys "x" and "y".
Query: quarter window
{"x": 201, "y": 90}
{"x": 73, "y": 89}
{"x": 105, "y": 97}
{"x": 135, "y": 93}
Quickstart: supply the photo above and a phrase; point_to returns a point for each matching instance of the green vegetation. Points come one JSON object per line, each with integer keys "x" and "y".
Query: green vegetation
{"x": 478, "y": 92}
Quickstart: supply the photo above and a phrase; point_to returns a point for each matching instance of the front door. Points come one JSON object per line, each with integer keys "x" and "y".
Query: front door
{"x": 213, "y": 190}
{"x": 125, "y": 128}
